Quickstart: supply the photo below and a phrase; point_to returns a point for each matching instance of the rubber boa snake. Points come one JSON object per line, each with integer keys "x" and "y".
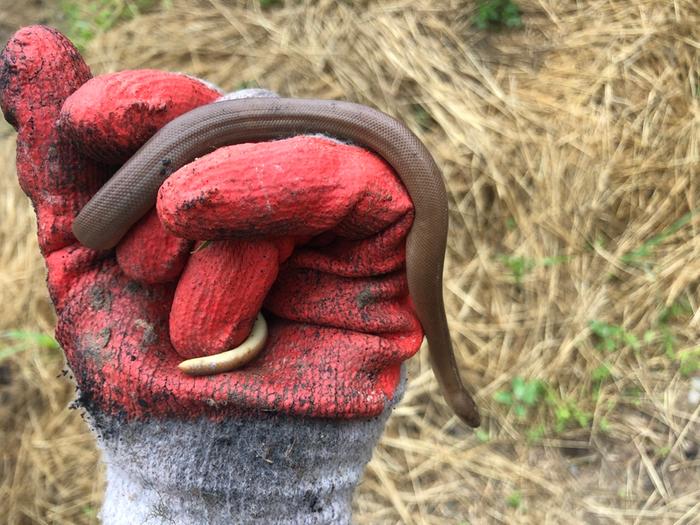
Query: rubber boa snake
{"x": 132, "y": 192}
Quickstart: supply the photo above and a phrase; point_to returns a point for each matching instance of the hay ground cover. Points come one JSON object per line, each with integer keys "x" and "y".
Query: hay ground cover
{"x": 570, "y": 146}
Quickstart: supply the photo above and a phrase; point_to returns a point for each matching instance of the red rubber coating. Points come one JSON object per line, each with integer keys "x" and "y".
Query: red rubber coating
{"x": 132, "y": 192}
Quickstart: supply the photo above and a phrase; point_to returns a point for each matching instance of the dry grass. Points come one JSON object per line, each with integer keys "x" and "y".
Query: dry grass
{"x": 572, "y": 153}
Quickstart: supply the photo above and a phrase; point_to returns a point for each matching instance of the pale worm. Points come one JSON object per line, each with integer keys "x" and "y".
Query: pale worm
{"x": 231, "y": 359}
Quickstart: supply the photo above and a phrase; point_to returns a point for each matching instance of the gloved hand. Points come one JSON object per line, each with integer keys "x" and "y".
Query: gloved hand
{"x": 284, "y": 439}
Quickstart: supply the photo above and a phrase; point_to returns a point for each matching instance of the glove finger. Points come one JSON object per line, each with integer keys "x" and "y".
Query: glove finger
{"x": 220, "y": 294}
{"x": 39, "y": 69}
{"x": 365, "y": 279}
{"x": 112, "y": 115}
{"x": 376, "y": 255}
{"x": 298, "y": 186}
{"x": 370, "y": 304}
{"x": 150, "y": 254}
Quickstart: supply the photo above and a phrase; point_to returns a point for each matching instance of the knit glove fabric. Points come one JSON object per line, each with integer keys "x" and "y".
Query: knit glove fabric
{"x": 308, "y": 229}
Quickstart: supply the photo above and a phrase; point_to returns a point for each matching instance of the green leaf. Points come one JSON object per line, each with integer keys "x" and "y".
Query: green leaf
{"x": 582, "y": 418}
{"x": 669, "y": 343}
{"x": 514, "y": 500}
{"x": 679, "y": 309}
{"x": 647, "y": 248}
{"x": 557, "y": 259}
{"x": 520, "y": 411}
{"x": 518, "y": 266}
{"x": 664, "y": 451}
{"x": 689, "y": 367}
{"x": 610, "y": 345}
{"x": 563, "y": 413}
{"x": 84, "y": 20}
{"x": 247, "y": 84}
{"x": 518, "y": 388}
{"x": 631, "y": 340}
{"x": 265, "y": 4}
{"x": 532, "y": 392}
{"x": 649, "y": 337}
{"x": 423, "y": 118}
{"x": 689, "y": 361}
{"x": 601, "y": 373}
{"x": 33, "y": 338}
{"x": 503, "y": 397}
{"x": 535, "y": 434}
{"x": 601, "y": 329}
{"x": 497, "y": 13}
{"x": 482, "y": 435}
{"x": 201, "y": 246}
{"x": 563, "y": 416}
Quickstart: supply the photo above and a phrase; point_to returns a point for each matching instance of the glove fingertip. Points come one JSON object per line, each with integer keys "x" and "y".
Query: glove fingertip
{"x": 112, "y": 115}
{"x": 38, "y": 65}
{"x": 150, "y": 254}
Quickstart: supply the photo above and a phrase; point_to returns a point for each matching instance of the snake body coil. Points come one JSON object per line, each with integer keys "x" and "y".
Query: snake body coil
{"x": 132, "y": 192}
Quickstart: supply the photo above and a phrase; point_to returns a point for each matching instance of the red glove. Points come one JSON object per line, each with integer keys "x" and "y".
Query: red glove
{"x": 319, "y": 226}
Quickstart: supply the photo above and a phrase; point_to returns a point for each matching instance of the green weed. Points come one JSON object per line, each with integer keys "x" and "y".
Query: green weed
{"x": 24, "y": 340}
{"x": 482, "y": 435}
{"x": 519, "y": 266}
{"x": 422, "y": 117}
{"x": 612, "y": 337}
{"x": 679, "y": 310}
{"x": 553, "y": 261}
{"x": 522, "y": 396}
{"x": 89, "y": 511}
{"x": 668, "y": 342}
{"x": 85, "y": 20}
{"x": 641, "y": 254}
{"x": 536, "y": 433}
{"x": 689, "y": 361}
{"x": 633, "y": 395}
{"x": 663, "y": 452}
{"x": 201, "y": 246}
{"x": 493, "y": 14}
{"x": 649, "y": 337}
{"x": 598, "y": 243}
{"x": 266, "y": 4}
{"x": 514, "y": 499}
{"x": 525, "y": 395}
{"x": 567, "y": 412}
{"x": 600, "y": 375}
{"x": 247, "y": 84}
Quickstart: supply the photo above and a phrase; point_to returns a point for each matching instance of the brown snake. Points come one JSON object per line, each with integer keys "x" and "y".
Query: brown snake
{"x": 132, "y": 192}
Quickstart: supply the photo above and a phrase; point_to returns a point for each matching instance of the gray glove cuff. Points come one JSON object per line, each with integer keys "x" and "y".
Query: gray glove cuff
{"x": 271, "y": 469}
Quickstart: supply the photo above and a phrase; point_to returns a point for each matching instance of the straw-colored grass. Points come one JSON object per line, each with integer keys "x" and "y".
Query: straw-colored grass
{"x": 571, "y": 149}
